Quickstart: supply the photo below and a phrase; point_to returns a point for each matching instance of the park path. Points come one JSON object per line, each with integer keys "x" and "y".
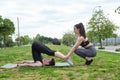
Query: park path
{"x": 110, "y": 48}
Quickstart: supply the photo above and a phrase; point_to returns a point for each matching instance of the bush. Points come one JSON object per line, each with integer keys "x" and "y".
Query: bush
{"x": 118, "y": 49}
{"x": 101, "y": 48}
{"x": 56, "y": 42}
{"x": 1, "y": 45}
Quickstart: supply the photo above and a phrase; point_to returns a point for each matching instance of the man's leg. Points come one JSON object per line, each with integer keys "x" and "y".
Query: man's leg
{"x": 41, "y": 48}
{"x": 60, "y": 55}
{"x": 36, "y": 53}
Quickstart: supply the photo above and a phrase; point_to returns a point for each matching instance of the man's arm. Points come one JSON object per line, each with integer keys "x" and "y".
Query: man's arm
{"x": 60, "y": 55}
{"x": 37, "y": 63}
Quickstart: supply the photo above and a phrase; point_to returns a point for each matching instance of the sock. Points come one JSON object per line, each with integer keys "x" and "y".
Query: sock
{"x": 70, "y": 62}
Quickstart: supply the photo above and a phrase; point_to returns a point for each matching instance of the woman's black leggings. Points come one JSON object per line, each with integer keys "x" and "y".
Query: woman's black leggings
{"x": 38, "y": 48}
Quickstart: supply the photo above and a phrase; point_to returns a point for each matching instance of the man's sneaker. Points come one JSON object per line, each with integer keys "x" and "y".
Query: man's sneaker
{"x": 70, "y": 62}
{"x": 89, "y": 62}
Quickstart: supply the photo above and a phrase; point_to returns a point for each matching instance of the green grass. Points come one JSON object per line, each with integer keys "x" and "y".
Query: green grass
{"x": 106, "y": 66}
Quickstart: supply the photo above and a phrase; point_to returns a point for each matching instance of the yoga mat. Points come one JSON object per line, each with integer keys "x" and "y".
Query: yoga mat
{"x": 57, "y": 64}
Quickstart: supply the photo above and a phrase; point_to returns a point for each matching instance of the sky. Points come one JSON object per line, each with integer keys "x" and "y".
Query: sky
{"x": 53, "y": 18}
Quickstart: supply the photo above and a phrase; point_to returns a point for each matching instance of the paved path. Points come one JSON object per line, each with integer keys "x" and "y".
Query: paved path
{"x": 111, "y": 48}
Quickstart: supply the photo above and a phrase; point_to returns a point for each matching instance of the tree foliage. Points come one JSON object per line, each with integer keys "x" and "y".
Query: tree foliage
{"x": 99, "y": 26}
{"x": 90, "y": 35}
{"x": 46, "y": 40}
{"x": 69, "y": 38}
{"x": 43, "y": 39}
{"x": 9, "y": 41}
{"x": 117, "y": 10}
{"x": 6, "y": 28}
{"x": 24, "y": 40}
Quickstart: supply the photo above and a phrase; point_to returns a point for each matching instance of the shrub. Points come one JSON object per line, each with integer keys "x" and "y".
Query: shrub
{"x": 118, "y": 49}
{"x": 101, "y": 48}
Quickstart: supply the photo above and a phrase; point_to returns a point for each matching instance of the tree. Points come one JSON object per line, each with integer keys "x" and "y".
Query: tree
{"x": 1, "y": 41}
{"x": 43, "y": 39}
{"x": 90, "y": 36}
{"x": 68, "y": 39}
{"x": 6, "y": 28}
{"x": 1, "y": 22}
{"x": 117, "y": 10}
{"x": 37, "y": 37}
{"x": 9, "y": 41}
{"x": 115, "y": 36}
{"x": 101, "y": 26}
{"x": 24, "y": 40}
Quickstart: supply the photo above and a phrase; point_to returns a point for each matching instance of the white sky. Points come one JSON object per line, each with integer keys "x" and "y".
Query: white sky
{"x": 52, "y": 18}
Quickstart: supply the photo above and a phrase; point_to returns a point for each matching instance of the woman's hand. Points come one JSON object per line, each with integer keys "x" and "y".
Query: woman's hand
{"x": 66, "y": 58}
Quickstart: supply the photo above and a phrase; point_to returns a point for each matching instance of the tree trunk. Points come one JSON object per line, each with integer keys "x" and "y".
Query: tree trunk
{"x": 4, "y": 41}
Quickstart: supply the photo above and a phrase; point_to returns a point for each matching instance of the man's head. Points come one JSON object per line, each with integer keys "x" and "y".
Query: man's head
{"x": 49, "y": 62}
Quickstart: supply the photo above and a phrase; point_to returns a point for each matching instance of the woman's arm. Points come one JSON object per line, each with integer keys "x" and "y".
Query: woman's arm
{"x": 76, "y": 45}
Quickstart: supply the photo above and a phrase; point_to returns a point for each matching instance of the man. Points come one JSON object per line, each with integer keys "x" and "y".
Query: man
{"x": 37, "y": 49}
{"x": 45, "y": 62}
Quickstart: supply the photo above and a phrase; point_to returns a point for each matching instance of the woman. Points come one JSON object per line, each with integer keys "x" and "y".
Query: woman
{"x": 88, "y": 49}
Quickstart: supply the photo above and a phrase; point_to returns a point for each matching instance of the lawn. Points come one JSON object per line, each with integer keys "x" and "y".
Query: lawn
{"x": 106, "y": 66}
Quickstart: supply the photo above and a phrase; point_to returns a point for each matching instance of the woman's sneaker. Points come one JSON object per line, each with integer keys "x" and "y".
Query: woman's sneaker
{"x": 89, "y": 62}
